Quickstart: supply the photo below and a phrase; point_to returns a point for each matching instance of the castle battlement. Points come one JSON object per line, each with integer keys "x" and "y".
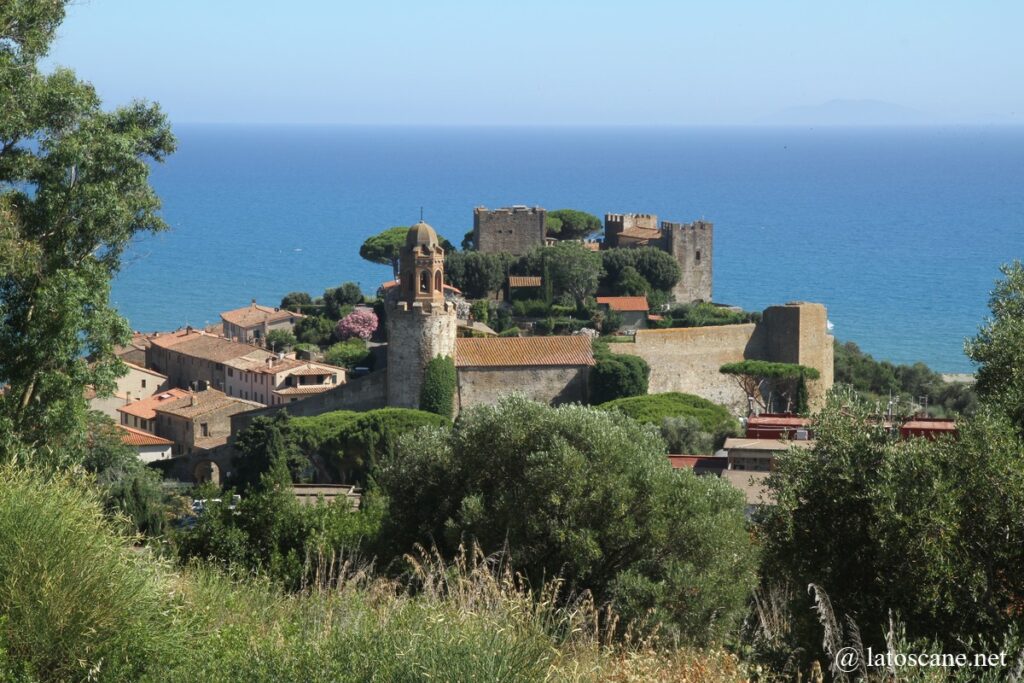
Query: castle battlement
{"x": 517, "y": 208}
{"x": 620, "y": 217}
{"x": 696, "y": 225}
{"x": 422, "y": 307}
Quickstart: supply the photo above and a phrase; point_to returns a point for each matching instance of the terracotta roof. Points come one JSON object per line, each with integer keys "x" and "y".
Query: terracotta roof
{"x": 641, "y": 233}
{"x": 769, "y": 420}
{"x": 624, "y": 303}
{"x": 202, "y": 402}
{"x": 697, "y": 462}
{"x": 254, "y": 314}
{"x": 592, "y": 245}
{"x": 931, "y": 425}
{"x": 765, "y": 444}
{"x": 256, "y": 361}
{"x": 146, "y": 408}
{"x": 208, "y": 347}
{"x": 312, "y": 370}
{"x": 524, "y": 281}
{"x": 523, "y": 351}
{"x": 137, "y": 437}
{"x": 305, "y": 389}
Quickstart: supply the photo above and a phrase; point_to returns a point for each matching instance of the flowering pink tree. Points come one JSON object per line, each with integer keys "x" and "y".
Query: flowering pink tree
{"x": 360, "y": 323}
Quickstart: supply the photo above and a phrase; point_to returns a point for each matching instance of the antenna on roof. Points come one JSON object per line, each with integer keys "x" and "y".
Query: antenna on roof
{"x": 421, "y": 214}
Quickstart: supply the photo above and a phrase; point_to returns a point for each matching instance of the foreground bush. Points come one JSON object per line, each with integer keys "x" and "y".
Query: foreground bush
{"x": 580, "y": 493}
{"x": 75, "y": 600}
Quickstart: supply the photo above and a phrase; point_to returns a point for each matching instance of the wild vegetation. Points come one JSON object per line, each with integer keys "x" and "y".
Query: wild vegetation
{"x": 689, "y": 424}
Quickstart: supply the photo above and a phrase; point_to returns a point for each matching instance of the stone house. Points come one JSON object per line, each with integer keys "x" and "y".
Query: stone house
{"x": 546, "y": 369}
{"x": 632, "y": 309}
{"x": 141, "y": 413}
{"x": 758, "y": 455}
{"x": 190, "y": 356}
{"x": 138, "y": 382}
{"x": 251, "y": 324}
{"x": 514, "y": 230}
{"x": 273, "y": 381}
{"x": 200, "y": 421}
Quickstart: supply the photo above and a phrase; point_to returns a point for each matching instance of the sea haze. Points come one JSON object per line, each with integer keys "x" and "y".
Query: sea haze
{"x": 899, "y": 231}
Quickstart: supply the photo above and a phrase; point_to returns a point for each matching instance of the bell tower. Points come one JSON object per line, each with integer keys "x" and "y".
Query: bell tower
{"x": 421, "y": 324}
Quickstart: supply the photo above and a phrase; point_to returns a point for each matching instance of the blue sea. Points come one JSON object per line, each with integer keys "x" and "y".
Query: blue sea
{"x": 899, "y": 231}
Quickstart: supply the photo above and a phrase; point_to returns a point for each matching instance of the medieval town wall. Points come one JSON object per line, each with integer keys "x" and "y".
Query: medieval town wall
{"x": 553, "y": 385}
{"x": 691, "y": 246}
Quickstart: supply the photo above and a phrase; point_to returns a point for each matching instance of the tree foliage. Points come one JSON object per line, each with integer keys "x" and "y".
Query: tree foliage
{"x": 437, "y": 394}
{"x": 998, "y": 349}
{"x": 385, "y": 247}
{"x": 314, "y": 329}
{"x": 934, "y": 526}
{"x": 74, "y": 192}
{"x": 477, "y": 274}
{"x": 338, "y": 299}
{"x": 655, "y": 267}
{"x": 616, "y": 376}
{"x": 578, "y": 493}
{"x": 280, "y": 340}
{"x": 570, "y": 224}
{"x": 574, "y": 270}
{"x": 761, "y": 379}
{"x": 296, "y": 301}
{"x": 688, "y": 423}
{"x": 347, "y": 354}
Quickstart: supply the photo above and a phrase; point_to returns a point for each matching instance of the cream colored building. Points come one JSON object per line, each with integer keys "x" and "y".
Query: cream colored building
{"x": 274, "y": 381}
{"x": 138, "y": 383}
{"x": 252, "y": 323}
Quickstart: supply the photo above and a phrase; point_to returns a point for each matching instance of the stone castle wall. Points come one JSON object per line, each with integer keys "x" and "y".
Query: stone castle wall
{"x": 615, "y": 223}
{"x": 687, "y": 359}
{"x": 691, "y": 245}
{"x": 416, "y": 335}
{"x": 515, "y": 230}
{"x": 554, "y": 385}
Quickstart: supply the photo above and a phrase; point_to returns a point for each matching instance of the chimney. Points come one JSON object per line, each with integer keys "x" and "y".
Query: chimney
{"x": 192, "y": 398}
{"x": 253, "y": 304}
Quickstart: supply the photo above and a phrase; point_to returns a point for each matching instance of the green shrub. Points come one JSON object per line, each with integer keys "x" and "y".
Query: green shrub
{"x": 690, "y": 424}
{"x": 703, "y": 314}
{"x": 579, "y": 493}
{"x": 618, "y": 376}
{"x": 481, "y": 311}
{"x": 280, "y": 340}
{"x": 530, "y": 308}
{"x": 347, "y": 354}
{"x": 77, "y": 601}
{"x": 437, "y": 393}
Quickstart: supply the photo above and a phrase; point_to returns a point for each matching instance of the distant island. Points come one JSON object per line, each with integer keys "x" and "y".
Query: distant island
{"x": 849, "y": 113}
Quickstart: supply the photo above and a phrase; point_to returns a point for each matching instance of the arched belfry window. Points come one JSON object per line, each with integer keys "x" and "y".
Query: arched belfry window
{"x": 437, "y": 281}
{"x": 424, "y": 281}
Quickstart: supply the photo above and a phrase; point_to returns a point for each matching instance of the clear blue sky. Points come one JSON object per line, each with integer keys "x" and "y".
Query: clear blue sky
{"x": 547, "y": 61}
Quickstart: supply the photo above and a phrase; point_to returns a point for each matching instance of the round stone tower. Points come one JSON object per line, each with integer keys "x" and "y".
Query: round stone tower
{"x": 421, "y": 325}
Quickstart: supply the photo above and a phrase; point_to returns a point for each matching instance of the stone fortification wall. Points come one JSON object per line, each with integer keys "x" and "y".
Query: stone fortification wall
{"x": 416, "y": 335}
{"x": 484, "y": 386}
{"x": 615, "y": 223}
{"x": 368, "y": 392}
{"x": 691, "y": 245}
{"x": 514, "y": 230}
{"x": 687, "y": 359}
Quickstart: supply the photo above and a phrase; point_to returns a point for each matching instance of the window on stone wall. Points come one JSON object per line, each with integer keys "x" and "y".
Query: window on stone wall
{"x": 424, "y": 281}
{"x": 437, "y": 281}
{"x": 698, "y": 255}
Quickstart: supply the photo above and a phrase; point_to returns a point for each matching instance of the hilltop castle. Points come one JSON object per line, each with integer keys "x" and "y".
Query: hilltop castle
{"x": 519, "y": 229}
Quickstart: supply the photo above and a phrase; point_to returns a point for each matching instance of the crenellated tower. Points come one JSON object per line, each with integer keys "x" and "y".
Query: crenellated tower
{"x": 421, "y": 324}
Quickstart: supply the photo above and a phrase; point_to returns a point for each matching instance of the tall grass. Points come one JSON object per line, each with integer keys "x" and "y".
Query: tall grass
{"x": 77, "y": 602}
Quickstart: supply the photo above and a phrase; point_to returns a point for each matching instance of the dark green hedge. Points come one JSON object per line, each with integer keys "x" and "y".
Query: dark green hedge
{"x": 437, "y": 394}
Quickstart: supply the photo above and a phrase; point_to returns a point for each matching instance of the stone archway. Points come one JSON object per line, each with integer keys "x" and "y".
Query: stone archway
{"x": 206, "y": 471}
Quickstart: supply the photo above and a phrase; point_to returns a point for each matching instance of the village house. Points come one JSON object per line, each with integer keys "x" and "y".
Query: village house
{"x": 632, "y": 310}
{"x": 149, "y": 447}
{"x": 141, "y": 413}
{"x": 189, "y": 356}
{"x": 137, "y": 383}
{"x": 199, "y": 421}
{"x": 252, "y": 323}
{"x": 273, "y": 381}
{"x": 758, "y": 455}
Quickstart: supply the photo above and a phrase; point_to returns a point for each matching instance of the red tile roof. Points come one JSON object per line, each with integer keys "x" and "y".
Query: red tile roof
{"x": 524, "y": 281}
{"x": 624, "y": 303}
{"x": 305, "y": 389}
{"x": 694, "y": 461}
{"x": 137, "y": 437}
{"x": 254, "y": 314}
{"x": 523, "y": 351}
{"x": 146, "y": 408}
{"x": 195, "y": 404}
